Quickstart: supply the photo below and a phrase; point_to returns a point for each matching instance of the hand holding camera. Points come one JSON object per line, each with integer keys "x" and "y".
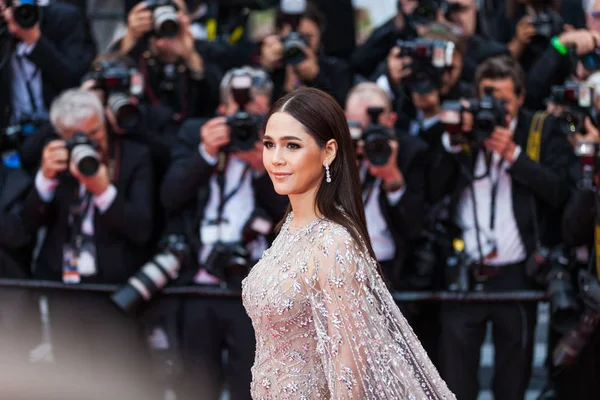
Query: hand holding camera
{"x": 584, "y": 41}
{"x": 215, "y": 133}
{"x": 95, "y": 184}
{"x": 139, "y": 21}
{"x": 308, "y": 69}
{"x": 55, "y": 159}
{"x": 271, "y": 52}
{"x": 22, "y": 20}
{"x": 501, "y": 142}
{"x": 389, "y": 173}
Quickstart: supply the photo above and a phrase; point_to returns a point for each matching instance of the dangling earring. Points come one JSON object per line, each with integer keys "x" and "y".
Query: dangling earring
{"x": 327, "y": 174}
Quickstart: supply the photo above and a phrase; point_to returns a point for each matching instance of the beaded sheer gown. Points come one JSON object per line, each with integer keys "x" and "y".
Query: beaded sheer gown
{"x": 326, "y": 325}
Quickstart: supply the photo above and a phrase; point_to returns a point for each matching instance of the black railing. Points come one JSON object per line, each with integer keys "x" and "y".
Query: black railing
{"x": 216, "y": 291}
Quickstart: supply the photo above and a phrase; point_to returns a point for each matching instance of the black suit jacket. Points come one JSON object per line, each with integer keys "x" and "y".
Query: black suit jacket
{"x": 542, "y": 183}
{"x": 121, "y": 233}
{"x": 60, "y": 54}
{"x": 15, "y": 241}
{"x": 405, "y": 218}
{"x": 185, "y": 189}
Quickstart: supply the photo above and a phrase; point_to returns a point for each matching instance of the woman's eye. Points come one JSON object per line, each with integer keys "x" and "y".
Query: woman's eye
{"x": 268, "y": 145}
{"x": 293, "y": 146}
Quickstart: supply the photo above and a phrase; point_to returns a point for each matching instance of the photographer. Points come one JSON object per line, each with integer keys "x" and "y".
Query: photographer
{"x": 496, "y": 192}
{"x": 93, "y": 193}
{"x": 392, "y": 171}
{"x": 527, "y": 27}
{"x": 578, "y": 379}
{"x": 178, "y": 82}
{"x": 17, "y": 309}
{"x": 217, "y": 187}
{"x": 48, "y": 58}
{"x": 423, "y": 69}
{"x": 572, "y": 54}
{"x": 294, "y": 56}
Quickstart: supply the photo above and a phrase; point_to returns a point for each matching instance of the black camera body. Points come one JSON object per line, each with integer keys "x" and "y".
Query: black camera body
{"x": 244, "y": 125}
{"x": 82, "y": 151}
{"x": 294, "y": 47}
{"x": 547, "y": 24}
{"x": 164, "y": 17}
{"x": 153, "y": 276}
{"x": 119, "y": 82}
{"x": 12, "y": 136}
{"x": 425, "y": 12}
{"x": 488, "y": 113}
{"x": 25, "y": 12}
{"x": 376, "y": 138}
{"x": 429, "y": 60}
{"x": 228, "y": 260}
{"x": 577, "y": 101}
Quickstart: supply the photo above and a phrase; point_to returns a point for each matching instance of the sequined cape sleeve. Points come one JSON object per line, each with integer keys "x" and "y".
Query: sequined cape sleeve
{"x": 367, "y": 348}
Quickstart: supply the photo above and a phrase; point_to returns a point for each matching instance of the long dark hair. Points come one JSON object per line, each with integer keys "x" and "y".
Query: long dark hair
{"x": 324, "y": 119}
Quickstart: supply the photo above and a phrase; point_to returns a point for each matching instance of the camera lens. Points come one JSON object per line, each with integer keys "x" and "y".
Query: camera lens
{"x": 165, "y": 21}
{"x": 26, "y": 13}
{"x": 128, "y": 115}
{"x": 293, "y": 49}
{"x": 86, "y": 159}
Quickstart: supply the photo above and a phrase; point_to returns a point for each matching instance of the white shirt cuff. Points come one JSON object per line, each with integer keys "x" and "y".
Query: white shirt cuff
{"x": 45, "y": 187}
{"x": 105, "y": 200}
{"x": 395, "y": 196}
{"x": 448, "y": 146}
{"x": 207, "y": 157}
{"x": 516, "y": 155}
{"x": 25, "y": 49}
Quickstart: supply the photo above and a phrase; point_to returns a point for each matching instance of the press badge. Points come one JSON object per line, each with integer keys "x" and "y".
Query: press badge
{"x": 87, "y": 257}
{"x": 70, "y": 271}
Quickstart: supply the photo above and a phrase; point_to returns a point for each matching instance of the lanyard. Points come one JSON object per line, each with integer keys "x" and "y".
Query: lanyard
{"x": 225, "y": 198}
{"x": 494, "y": 191}
{"x": 368, "y": 188}
{"x": 78, "y": 212}
{"x": 28, "y": 83}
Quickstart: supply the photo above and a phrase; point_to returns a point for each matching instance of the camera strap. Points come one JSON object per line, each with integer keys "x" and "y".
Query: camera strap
{"x": 78, "y": 210}
{"x": 28, "y": 83}
{"x": 494, "y": 190}
{"x": 534, "y": 145}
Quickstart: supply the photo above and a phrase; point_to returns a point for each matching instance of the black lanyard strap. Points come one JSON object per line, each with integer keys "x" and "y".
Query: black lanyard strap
{"x": 78, "y": 212}
{"x": 28, "y": 83}
{"x": 221, "y": 183}
{"x": 494, "y": 193}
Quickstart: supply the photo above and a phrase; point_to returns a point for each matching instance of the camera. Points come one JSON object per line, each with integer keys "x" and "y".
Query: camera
{"x": 591, "y": 60}
{"x": 119, "y": 82}
{"x": 488, "y": 113}
{"x": 294, "y": 46}
{"x": 153, "y": 276}
{"x": 376, "y": 138}
{"x": 228, "y": 260}
{"x": 425, "y": 12}
{"x": 164, "y": 17}
{"x": 82, "y": 151}
{"x": 570, "y": 345}
{"x": 429, "y": 60}
{"x": 12, "y": 136}
{"x": 577, "y": 102}
{"x": 587, "y": 153}
{"x": 25, "y": 12}
{"x": 243, "y": 125}
{"x": 547, "y": 24}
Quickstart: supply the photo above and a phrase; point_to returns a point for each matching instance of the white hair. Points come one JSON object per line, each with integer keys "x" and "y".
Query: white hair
{"x": 588, "y": 5}
{"x": 366, "y": 91}
{"x": 74, "y": 106}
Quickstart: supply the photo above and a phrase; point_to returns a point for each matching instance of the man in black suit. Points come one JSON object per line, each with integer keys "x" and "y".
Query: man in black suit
{"x": 48, "y": 58}
{"x": 216, "y": 187}
{"x": 17, "y": 309}
{"x": 98, "y": 223}
{"x": 394, "y": 197}
{"x": 498, "y": 212}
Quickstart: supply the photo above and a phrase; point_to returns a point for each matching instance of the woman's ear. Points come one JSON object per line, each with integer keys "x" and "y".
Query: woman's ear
{"x": 331, "y": 148}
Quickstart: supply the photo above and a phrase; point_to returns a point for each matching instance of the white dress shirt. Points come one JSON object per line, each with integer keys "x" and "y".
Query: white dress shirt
{"x": 23, "y": 71}
{"x": 505, "y": 236}
{"x": 379, "y": 232}
{"x": 422, "y": 122}
{"x": 236, "y": 213}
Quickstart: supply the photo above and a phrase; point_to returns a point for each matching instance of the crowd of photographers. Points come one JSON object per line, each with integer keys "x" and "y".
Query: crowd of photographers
{"x": 476, "y": 136}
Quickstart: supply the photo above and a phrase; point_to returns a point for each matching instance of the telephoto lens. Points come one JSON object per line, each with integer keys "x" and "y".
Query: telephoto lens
{"x": 153, "y": 276}
{"x": 128, "y": 115}
{"x": 26, "y": 13}
{"x": 83, "y": 153}
{"x": 164, "y": 17}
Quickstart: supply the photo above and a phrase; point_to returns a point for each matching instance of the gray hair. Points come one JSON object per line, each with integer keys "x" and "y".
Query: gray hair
{"x": 74, "y": 106}
{"x": 588, "y": 5}
{"x": 367, "y": 91}
{"x": 261, "y": 83}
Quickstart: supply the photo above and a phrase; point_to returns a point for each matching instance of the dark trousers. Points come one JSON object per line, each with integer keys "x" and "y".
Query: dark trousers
{"x": 513, "y": 326}
{"x": 99, "y": 352}
{"x": 208, "y": 327}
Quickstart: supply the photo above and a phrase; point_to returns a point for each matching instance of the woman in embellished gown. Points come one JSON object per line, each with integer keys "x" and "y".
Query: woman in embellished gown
{"x": 326, "y": 325}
